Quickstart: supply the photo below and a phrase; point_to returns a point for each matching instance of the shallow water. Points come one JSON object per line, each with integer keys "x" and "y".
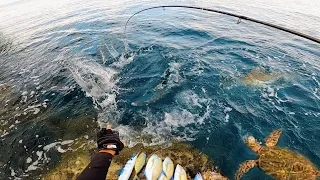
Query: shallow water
{"x": 178, "y": 75}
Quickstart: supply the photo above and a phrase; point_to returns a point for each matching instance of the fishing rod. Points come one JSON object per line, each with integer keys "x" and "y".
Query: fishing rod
{"x": 314, "y": 39}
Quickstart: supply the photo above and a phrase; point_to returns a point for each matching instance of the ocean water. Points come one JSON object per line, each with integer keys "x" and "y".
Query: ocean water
{"x": 177, "y": 74}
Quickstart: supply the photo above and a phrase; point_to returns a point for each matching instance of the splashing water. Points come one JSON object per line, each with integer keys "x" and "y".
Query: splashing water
{"x": 67, "y": 70}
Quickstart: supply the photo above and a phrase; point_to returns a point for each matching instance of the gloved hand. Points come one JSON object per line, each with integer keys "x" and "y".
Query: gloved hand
{"x": 109, "y": 140}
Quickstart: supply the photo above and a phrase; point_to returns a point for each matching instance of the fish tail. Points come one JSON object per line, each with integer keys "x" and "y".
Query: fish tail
{"x": 164, "y": 173}
{"x": 136, "y": 177}
{"x": 120, "y": 171}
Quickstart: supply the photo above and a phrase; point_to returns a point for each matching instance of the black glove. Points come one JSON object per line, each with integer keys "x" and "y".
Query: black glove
{"x": 108, "y": 139}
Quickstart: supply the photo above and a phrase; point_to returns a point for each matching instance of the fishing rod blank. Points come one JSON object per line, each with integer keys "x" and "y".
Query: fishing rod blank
{"x": 314, "y": 39}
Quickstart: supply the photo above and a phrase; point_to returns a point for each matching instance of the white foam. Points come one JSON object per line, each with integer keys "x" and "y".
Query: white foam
{"x": 42, "y": 157}
{"x": 169, "y": 120}
{"x": 203, "y": 90}
{"x": 34, "y": 77}
{"x": 4, "y": 134}
{"x": 24, "y": 93}
{"x": 227, "y": 118}
{"x": 192, "y": 100}
{"x": 36, "y": 110}
{"x": 179, "y": 118}
{"x": 158, "y": 133}
{"x": 29, "y": 160}
{"x": 12, "y": 172}
{"x": 60, "y": 150}
{"x": 227, "y": 109}
{"x": 24, "y": 99}
{"x": 99, "y": 83}
{"x": 67, "y": 142}
{"x": 271, "y": 92}
{"x": 49, "y": 146}
{"x": 205, "y": 116}
{"x": 39, "y": 154}
{"x": 33, "y": 166}
{"x": 123, "y": 61}
{"x": 182, "y": 121}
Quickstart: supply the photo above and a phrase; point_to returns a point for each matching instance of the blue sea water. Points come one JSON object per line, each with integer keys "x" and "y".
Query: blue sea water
{"x": 175, "y": 74}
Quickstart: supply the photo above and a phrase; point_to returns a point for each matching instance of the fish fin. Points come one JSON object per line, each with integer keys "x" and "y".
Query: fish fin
{"x": 120, "y": 171}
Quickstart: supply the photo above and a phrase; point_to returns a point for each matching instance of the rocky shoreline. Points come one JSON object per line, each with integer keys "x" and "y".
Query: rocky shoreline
{"x": 73, "y": 162}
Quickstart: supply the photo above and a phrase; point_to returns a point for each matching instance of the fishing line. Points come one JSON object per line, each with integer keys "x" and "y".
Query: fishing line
{"x": 314, "y": 39}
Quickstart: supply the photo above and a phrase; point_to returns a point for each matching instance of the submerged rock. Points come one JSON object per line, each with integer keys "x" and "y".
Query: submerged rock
{"x": 5, "y": 94}
{"x": 72, "y": 163}
{"x": 15, "y": 108}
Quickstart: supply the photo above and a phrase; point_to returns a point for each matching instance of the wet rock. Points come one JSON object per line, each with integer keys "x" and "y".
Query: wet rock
{"x": 72, "y": 163}
{"x": 213, "y": 175}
